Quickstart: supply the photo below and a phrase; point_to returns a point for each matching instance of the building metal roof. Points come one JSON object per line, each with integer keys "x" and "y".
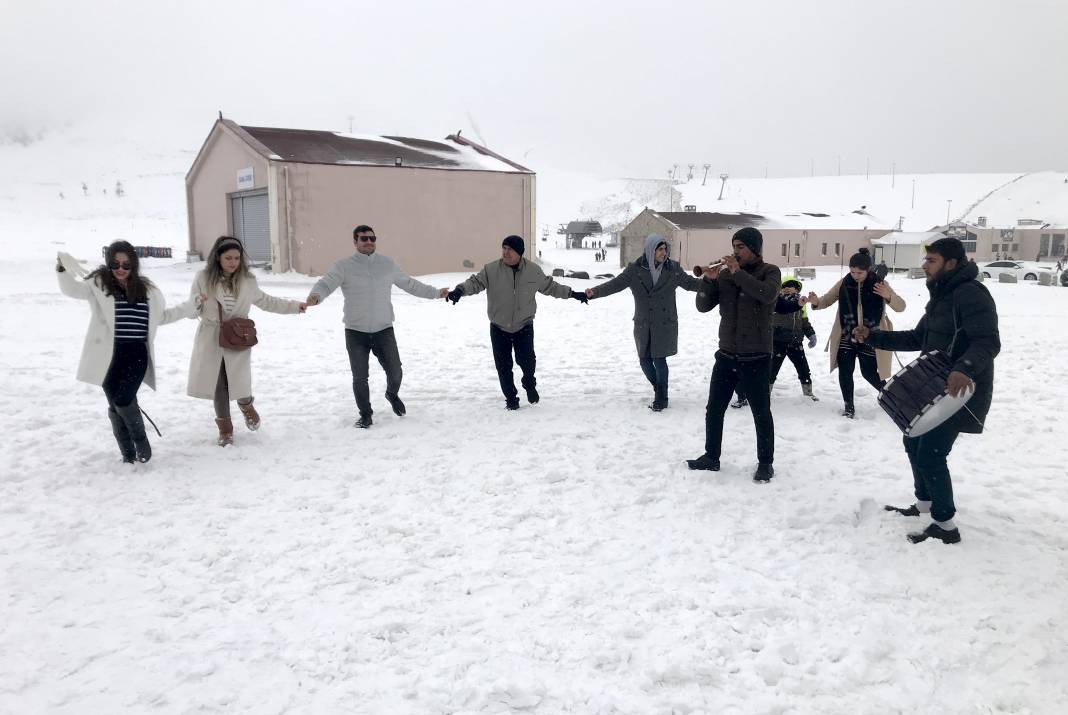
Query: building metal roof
{"x": 307, "y": 146}
{"x": 698, "y": 220}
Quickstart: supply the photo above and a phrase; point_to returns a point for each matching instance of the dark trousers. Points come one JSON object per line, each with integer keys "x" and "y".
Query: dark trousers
{"x": 796, "y": 352}
{"x": 129, "y": 362}
{"x": 655, "y": 369}
{"x": 522, "y": 343}
{"x": 930, "y": 473}
{"x": 849, "y": 354}
{"x": 384, "y": 346}
{"x": 751, "y": 374}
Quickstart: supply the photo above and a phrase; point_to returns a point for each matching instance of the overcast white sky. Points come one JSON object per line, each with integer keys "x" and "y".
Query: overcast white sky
{"x": 612, "y": 88}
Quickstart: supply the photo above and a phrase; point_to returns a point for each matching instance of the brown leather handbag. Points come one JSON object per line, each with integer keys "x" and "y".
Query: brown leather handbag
{"x": 236, "y": 333}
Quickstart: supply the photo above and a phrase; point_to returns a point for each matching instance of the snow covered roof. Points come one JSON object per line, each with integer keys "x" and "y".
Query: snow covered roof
{"x": 908, "y": 238}
{"x": 706, "y": 220}
{"x": 308, "y": 146}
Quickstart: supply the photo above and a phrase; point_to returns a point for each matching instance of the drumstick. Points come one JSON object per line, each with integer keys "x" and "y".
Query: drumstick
{"x": 698, "y": 270}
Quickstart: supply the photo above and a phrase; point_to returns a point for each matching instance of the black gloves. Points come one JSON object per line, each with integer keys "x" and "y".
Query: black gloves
{"x": 580, "y": 296}
{"x": 455, "y": 294}
{"x": 812, "y": 341}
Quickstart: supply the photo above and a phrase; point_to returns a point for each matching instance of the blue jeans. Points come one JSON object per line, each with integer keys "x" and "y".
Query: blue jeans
{"x": 655, "y": 369}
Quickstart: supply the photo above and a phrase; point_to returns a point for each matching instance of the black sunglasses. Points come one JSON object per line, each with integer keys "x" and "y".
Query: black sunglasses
{"x": 372, "y": 239}
{"x": 115, "y": 265}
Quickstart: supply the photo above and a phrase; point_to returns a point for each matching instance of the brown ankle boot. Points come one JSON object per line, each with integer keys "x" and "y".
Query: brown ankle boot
{"x": 226, "y": 431}
{"x": 252, "y": 418}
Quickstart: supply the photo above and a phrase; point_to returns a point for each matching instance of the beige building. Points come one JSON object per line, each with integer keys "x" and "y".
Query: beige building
{"x": 789, "y": 240}
{"x": 1027, "y": 240}
{"x": 294, "y": 196}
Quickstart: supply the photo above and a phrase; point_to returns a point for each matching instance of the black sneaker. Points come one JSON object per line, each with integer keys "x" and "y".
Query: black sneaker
{"x": 903, "y": 510}
{"x": 532, "y": 395}
{"x": 512, "y": 403}
{"x": 396, "y": 404}
{"x": 934, "y": 531}
{"x": 763, "y": 473}
{"x": 703, "y": 462}
{"x": 364, "y": 422}
{"x": 850, "y": 412}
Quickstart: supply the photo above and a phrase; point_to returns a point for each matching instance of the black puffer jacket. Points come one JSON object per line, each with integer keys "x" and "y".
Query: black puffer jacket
{"x": 958, "y": 303}
{"x": 746, "y": 300}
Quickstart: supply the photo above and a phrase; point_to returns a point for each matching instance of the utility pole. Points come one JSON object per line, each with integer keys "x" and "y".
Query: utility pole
{"x": 765, "y": 171}
{"x": 811, "y": 167}
{"x": 839, "y": 164}
{"x": 913, "y": 194}
{"x": 350, "y": 123}
{"x": 689, "y": 173}
{"x": 723, "y": 179}
{"x": 893, "y": 172}
{"x": 949, "y": 202}
{"x": 867, "y": 168}
{"x": 706, "y": 167}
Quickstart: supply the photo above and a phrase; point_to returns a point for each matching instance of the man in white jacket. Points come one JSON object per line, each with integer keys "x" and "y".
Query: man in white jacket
{"x": 366, "y": 280}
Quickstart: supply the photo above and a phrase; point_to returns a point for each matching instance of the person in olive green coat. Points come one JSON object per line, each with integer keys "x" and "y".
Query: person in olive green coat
{"x": 961, "y": 320}
{"x": 511, "y": 285}
{"x": 652, "y": 279}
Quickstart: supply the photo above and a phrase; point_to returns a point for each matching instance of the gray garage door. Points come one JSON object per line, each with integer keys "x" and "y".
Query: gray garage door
{"x": 250, "y": 226}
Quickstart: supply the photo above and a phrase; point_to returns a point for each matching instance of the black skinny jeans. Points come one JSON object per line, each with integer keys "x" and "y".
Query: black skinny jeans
{"x": 930, "y": 472}
{"x": 849, "y": 354}
{"x": 129, "y": 363}
{"x": 522, "y": 342}
{"x": 750, "y": 372}
{"x": 796, "y": 352}
{"x": 384, "y": 346}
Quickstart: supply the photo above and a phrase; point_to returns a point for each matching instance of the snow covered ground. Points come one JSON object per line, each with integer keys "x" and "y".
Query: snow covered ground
{"x": 560, "y": 558}
{"x": 465, "y": 559}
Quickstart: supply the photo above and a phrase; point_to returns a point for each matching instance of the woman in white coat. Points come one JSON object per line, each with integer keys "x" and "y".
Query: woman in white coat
{"x": 117, "y": 355}
{"x": 217, "y": 373}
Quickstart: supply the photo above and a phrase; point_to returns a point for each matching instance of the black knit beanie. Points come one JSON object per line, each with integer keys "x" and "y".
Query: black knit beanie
{"x": 751, "y": 237}
{"x": 515, "y": 243}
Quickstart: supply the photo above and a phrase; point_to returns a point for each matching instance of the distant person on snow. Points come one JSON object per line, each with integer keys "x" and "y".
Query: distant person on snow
{"x": 366, "y": 280}
{"x": 961, "y": 319}
{"x": 511, "y": 284}
{"x": 745, "y": 288}
{"x": 862, "y": 299}
{"x": 117, "y": 355}
{"x": 217, "y": 373}
{"x": 653, "y": 278}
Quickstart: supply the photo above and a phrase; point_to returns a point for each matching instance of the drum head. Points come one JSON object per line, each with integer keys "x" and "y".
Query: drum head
{"x": 937, "y": 412}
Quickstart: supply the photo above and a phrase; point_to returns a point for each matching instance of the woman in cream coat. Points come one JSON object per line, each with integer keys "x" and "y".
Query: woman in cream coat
{"x": 216, "y": 373}
{"x": 126, "y": 308}
{"x": 864, "y": 299}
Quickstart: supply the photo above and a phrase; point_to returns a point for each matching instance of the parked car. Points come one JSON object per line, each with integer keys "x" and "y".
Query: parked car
{"x": 1023, "y": 270}
{"x": 1064, "y": 279}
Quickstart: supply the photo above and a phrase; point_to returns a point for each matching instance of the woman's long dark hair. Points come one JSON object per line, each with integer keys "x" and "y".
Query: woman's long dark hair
{"x": 214, "y": 269}
{"x": 137, "y": 286}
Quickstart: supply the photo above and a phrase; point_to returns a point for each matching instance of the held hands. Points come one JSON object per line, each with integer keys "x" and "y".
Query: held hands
{"x": 882, "y": 290}
{"x": 313, "y": 299}
{"x": 581, "y": 297}
{"x": 443, "y": 292}
{"x": 302, "y": 307}
{"x": 589, "y": 292}
{"x": 813, "y": 299}
{"x": 958, "y": 383}
{"x": 861, "y": 333}
{"x": 455, "y": 294}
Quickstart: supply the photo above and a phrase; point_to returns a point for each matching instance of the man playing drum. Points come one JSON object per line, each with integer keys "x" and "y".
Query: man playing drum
{"x": 962, "y": 321}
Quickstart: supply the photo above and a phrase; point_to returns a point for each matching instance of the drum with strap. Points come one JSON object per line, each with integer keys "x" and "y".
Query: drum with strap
{"x": 916, "y": 399}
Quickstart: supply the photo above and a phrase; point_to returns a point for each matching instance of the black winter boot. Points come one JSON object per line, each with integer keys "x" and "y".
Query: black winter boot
{"x": 703, "y": 462}
{"x": 660, "y": 399}
{"x": 511, "y": 403}
{"x": 934, "y": 531}
{"x": 122, "y": 436}
{"x": 364, "y": 422}
{"x": 396, "y": 404}
{"x": 849, "y": 411}
{"x": 764, "y": 473}
{"x": 131, "y": 416}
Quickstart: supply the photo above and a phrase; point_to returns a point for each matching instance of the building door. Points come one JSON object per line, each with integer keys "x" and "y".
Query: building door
{"x": 249, "y": 214}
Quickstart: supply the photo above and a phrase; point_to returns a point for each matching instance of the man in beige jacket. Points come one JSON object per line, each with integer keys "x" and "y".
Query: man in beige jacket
{"x": 511, "y": 284}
